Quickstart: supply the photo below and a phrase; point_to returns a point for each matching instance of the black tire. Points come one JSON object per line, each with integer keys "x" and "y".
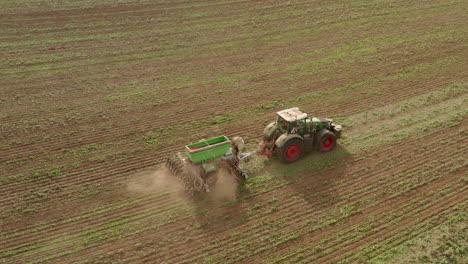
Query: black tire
{"x": 326, "y": 142}
{"x": 291, "y": 151}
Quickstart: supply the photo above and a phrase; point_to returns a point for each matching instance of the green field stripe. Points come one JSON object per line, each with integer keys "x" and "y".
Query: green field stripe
{"x": 354, "y": 233}
{"x": 33, "y": 5}
{"x": 199, "y": 16}
{"x": 408, "y": 209}
{"x": 279, "y": 40}
{"x": 411, "y": 242}
{"x": 110, "y": 231}
{"x": 235, "y": 78}
{"x": 232, "y": 246}
{"x": 84, "y": 215}
{"x": 340, "y": 95}
{"x": 348, "y": 52}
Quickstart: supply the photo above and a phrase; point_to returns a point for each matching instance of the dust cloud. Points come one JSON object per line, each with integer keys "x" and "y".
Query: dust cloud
{"x": 225, "y": 188}
{"x": 160, "y": 180}
{"x": 223, "y": 185}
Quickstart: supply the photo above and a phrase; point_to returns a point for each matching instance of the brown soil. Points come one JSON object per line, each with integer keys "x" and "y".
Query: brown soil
{"x": 50, "y": 116}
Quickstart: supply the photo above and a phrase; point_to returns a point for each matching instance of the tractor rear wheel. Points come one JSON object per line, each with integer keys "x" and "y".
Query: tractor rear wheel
{"x": 291, "y": 150}
{"x": 327, "y": 142}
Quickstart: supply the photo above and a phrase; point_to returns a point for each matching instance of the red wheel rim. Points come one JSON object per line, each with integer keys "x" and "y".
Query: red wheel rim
{"x": 293, "y": 151}
{"x": 328, "y": 143}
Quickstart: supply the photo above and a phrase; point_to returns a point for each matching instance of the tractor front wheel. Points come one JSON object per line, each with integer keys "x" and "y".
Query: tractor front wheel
{"x": 327, "y": 142}
{"x": 291, "y": 150}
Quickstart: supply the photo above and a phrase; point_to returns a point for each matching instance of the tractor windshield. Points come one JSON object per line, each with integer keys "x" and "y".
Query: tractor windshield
{"x": 283, "y": 124}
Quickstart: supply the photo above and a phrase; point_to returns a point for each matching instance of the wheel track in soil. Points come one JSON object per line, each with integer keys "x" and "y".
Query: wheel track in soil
{"x": 92, "y": 137}
{"x": 74, "y": 223}
{"x": 357, "y": 172}
{"x": 118, "y": 170}
{"x": 74, "y": 181}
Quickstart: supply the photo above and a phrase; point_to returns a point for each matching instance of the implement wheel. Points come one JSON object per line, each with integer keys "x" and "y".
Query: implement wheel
{"x": 291, "y": 150}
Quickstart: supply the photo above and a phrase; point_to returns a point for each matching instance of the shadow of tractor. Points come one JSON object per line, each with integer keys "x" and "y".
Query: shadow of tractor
{"x": 313, "y": 177}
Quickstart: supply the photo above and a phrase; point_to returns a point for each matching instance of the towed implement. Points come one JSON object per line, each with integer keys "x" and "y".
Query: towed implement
{"x": 197, "y": 166}
{"x": 289, "y": 137}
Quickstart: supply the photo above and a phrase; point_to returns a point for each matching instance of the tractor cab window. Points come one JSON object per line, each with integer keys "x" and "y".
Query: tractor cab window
{"x": 298, "y": 127}
{"x": 301, "y": 125}
{"x": 283, "y": 124}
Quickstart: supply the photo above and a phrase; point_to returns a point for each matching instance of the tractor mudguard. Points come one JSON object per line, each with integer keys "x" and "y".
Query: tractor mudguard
{"x": 336, "y": 129}
{"x": 285, "y": 138}
{"x": 320, "y": 134}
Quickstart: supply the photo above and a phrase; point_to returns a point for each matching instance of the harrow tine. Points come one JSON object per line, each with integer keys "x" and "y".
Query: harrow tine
{"x": 189, "y": 177}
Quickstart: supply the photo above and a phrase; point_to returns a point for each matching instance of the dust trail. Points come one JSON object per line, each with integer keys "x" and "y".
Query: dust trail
{"x": 160, "y": 180}
{"x": 225, "y": 188}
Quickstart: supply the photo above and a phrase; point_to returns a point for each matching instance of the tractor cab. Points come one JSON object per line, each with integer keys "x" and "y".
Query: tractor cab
{"x": 293, "y": 121}
{"x": 291, "y": 114}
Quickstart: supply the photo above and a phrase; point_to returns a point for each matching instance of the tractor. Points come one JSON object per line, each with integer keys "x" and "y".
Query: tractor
{"x": 289, "y": 137}
{"x": 295, "y": 133}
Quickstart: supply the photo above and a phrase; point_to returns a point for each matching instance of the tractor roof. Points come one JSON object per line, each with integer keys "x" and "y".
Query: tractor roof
{"x": 292, "y": 114}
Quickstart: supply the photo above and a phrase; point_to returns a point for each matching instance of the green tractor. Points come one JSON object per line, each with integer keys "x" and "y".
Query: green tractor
{"x": 295, "y": 133}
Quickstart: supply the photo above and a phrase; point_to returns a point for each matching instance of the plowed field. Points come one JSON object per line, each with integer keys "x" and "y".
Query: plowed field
{"x": 95, "y": 94}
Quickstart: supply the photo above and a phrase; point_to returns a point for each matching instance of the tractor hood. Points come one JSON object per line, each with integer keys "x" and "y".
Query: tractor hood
{"x": 321, "y": 123}
{"x": 270, "y": 130}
